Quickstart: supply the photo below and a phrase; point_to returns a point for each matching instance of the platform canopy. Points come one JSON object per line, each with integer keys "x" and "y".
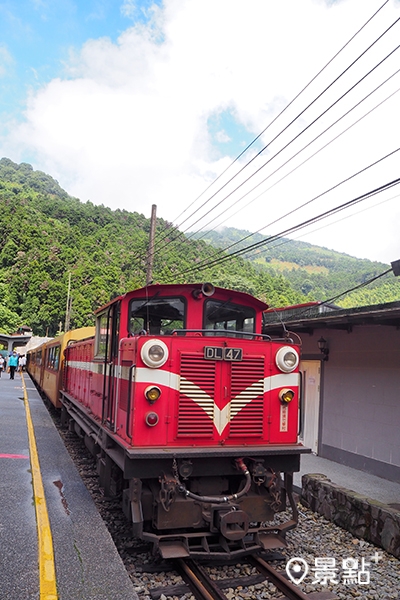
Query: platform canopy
{"x": 14, "y": 340}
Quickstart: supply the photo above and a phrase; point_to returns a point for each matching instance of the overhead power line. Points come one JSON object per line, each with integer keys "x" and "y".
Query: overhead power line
{"x": 278, "y": 115}
{"x": 289, "y": 230}
{"x": 305, "y": 128}
{"x": 179, "y": 234}
{"x": 334, "y": 298}
{"x": 288, "y": 240}
{"x": 302, "y": 163}
{"x": 334, "y": 187}
{"x": 296, "y": 137}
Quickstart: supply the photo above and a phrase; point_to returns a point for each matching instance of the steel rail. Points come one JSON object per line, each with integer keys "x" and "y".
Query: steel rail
{"x": 204, "y": 588}
{"x": 198, "y": 580}
{"x": 280, "y": 582}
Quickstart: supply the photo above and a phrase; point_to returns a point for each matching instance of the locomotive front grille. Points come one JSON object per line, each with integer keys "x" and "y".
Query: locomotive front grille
{"x": 247, "y": 393}
{"x": 196, "y": 396}
{"x": 201, "y": 396}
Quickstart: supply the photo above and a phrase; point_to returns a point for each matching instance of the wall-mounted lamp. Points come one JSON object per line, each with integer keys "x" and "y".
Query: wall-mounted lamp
{"x": 323, "y": 347}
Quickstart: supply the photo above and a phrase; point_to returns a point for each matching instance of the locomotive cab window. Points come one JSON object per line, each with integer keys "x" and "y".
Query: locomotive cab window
{"x": 107, "y": 332}
{"x": 157, "y": 316}
{"x": 102, "y": 327}
{"x": 220, "y": 315}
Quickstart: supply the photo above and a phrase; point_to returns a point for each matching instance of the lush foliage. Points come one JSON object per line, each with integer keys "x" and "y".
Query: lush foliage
{"x": 48, "y": 236}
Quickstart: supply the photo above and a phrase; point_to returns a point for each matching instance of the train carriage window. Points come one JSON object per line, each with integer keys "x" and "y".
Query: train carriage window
{"x": 53, "y": 358}
{"x": 157, "y": 316}
{"x": 233, "y": 318}
{"x": 39, "y": 358}
{"x": 56, "y": 358}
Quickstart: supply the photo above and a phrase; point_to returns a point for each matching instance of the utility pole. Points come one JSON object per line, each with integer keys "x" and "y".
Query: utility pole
{"x": 150, "y": 253}
{"x": 68, "y": 308}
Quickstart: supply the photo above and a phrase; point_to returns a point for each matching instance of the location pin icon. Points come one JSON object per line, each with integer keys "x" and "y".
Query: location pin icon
{"x": 296, "y": 569}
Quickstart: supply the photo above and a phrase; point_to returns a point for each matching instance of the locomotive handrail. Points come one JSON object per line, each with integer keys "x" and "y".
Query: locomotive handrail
{"x": 128, "y": 405}
{"x": 223, "y": 332}
{"x": 301, "y": 400}
{"x": 106, "y": 357}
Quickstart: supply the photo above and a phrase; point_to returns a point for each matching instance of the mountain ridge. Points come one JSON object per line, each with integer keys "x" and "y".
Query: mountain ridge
{"x": 48, "y": 235}
{"x": 314, "y": 271}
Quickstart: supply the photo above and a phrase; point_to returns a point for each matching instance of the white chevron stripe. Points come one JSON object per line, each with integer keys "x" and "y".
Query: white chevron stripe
{"x": 156, "y": 376}
{"x": 281, "y": 380}
{"x": 199, "y": 396}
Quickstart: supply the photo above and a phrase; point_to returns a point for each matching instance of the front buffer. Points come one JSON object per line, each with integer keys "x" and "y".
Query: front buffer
{"x": 211, "y": 503}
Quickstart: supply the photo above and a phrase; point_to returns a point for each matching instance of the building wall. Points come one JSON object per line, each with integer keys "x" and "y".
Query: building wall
{"x": 360, "y": 397}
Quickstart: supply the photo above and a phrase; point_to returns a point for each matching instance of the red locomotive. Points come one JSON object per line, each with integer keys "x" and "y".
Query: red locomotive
{"x": 192, "y": 414}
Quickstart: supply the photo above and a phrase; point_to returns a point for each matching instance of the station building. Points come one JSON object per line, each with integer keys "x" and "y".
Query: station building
{"x": 350, "y": 371}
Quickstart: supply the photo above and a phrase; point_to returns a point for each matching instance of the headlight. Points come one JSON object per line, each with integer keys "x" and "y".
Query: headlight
{"x": 286, "y": 396}
{"x": 287, "y": 359}
{"x": 154, "y": 353}
{"x": 152, "y": 393}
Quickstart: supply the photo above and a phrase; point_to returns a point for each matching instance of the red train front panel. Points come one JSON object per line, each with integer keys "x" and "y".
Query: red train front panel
{"x": 195, "y": 386}
{"x": 204, "y": 399}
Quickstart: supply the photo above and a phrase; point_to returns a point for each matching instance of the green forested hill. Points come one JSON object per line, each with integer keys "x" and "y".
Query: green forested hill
{"x": 315, "y": 272}
{"x": 47, "y": 235}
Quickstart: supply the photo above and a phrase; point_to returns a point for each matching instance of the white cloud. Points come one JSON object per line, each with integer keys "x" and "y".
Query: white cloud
{"x": 127, "y": 125}
{"x": 129, "y": 8}
{"x": 222, "y": 137}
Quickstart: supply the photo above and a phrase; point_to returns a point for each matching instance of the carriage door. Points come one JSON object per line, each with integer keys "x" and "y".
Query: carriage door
{"x": 310, "y": 371}
{"x": 110, "y": 366}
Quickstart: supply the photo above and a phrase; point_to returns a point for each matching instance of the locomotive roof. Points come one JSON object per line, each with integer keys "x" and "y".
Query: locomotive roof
{"x": 176, "y": 289}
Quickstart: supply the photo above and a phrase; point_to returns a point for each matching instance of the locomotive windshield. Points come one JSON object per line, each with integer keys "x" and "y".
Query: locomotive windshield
{"x": 228, "y": 316}
{"x": 156, "y": 316}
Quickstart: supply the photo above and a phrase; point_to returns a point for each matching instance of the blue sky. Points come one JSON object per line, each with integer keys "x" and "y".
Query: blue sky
{"x": 133, "y": 103}
{"x": 37, "y": 36}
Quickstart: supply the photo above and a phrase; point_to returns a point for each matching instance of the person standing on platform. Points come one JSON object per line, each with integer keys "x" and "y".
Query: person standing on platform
{"x": 2, "y": 364}
{"x": 13, "y": 364}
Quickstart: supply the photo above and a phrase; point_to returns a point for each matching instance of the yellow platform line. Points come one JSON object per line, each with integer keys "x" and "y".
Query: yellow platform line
{"x": 47, "y": 571}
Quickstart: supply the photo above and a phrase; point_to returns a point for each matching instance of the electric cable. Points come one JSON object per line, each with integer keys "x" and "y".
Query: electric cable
{"x": 298, "y": 135}
{"x": 334, "y": 298}
{"x": 302, "y": 163}
{"x": 305, "y": 223}
{"x": 288, "y": 240}
{"x": 282, "y": 111}
{"x": 222, "y": 251}
{"x": 330, "y": 85}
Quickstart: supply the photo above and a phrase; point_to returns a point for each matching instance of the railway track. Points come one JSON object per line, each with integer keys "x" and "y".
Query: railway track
{"x": 204, "y": 588}
{"x": 195, "y": 576}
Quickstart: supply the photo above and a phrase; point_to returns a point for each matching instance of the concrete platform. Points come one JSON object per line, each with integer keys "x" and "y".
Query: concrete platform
{"x": 87, "y": 564}
{"x": 365, "y": 505}
{"x": 376, "y": 488}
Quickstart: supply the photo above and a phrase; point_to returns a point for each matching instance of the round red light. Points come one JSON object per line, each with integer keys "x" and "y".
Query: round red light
{"x": 151, "y": 419}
